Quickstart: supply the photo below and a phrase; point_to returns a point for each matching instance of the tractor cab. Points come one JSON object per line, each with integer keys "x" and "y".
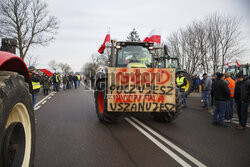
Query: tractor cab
{"x": 133, "y": 54}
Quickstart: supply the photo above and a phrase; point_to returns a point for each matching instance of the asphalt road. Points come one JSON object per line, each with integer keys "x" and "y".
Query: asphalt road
{"x": 68, "y": 133}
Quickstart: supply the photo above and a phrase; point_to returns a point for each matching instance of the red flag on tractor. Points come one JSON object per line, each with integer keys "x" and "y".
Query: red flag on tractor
{"x": 238, "y": 64}
{"x": 107, "y": 39}
{"x": 154, "y": 36}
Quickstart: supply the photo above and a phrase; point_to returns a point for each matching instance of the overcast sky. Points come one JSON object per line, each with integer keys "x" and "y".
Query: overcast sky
{"x": 84, "y": 23}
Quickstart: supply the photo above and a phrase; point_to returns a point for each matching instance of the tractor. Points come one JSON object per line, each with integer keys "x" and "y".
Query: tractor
{"x": 134, "y": 82}
{"x": 245, "y": 69}
{"x": 173, "y": 62}
{"x": 17, "y": 122}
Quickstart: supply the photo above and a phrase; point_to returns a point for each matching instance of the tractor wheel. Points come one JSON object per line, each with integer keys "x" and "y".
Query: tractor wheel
{"x": 17, "y": 123}
{"x": 101, "y": 105}
{"x": 169, "y": 116}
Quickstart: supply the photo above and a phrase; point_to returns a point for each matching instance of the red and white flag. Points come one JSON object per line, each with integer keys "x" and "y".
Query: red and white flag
{"x": 227, "y": 62}
{"x": 238, "y": 64}
{"x": 107, "y": 39}
{"x": 154, "y": 36}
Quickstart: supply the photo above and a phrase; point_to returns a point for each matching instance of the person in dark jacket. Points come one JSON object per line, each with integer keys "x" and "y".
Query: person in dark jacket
{"x": 214, "y": 78}
{"x": 242, "y": 99}
{"x": 70, "y": 81}
{"x": 53, "y": 79}
{"x": 75, "y": 79}
{"x": 46, "y": 84}
{"x": 221, "y": 94}
{"x": 35, "y": 80}
{"x": 197, "y": 83}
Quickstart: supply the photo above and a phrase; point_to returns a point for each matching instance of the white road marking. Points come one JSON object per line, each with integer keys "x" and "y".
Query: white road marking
{"x": 185, "y": 154}
{"x": 42, "y": 100}
{"x": 161, "y": 146}
{"x": 49, "y": 97}
{"x": 36, "y": 108}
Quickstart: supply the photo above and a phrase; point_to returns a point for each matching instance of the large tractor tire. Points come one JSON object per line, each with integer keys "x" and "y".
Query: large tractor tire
{"x": 169, "y": 116}
{"x": 101, "y": 105}
{"x": 17, "y": 123}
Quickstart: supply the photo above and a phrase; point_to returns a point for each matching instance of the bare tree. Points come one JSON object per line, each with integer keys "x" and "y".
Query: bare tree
{"x": 205, "y": 45}
{"x": 52, "y": 64}
{"x": 28, "y": 22}
{"x": 31, "y": 60}
{"x": 65, "y": 67}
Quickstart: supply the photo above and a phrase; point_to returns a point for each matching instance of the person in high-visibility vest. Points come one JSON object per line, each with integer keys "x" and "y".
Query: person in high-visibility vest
{"x": 57, "y": 82}
{"x": 230, "y": 102}
{"x": 78, "y": 79}
{"x": 181, "y": 84}
{"x": 35, "y": 80}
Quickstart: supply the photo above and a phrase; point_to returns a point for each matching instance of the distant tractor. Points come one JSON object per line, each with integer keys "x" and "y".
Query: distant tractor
{"x": 17, "y": 123}
{"x": 133, "y": 82}
{"x": 245, "y": 69}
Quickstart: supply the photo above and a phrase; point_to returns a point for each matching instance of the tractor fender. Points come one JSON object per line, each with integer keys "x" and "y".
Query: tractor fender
{"x": 10, "y": 62}
{"x": 180, "y": 72}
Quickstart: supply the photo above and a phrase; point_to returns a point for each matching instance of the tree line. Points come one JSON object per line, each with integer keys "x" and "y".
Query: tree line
{"x": 208, "y": 44}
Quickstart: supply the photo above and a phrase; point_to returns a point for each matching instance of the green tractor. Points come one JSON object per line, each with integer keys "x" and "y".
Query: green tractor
{"x": 167, "y": 61}
{"x": 245, "y": 68}
{"x": 134, "y": 82}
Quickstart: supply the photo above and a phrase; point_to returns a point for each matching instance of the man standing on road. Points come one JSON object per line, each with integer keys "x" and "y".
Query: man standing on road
{"x": 207, "y": 90}
{"x": 35, "y": 80}
{"x": 221, "y": 93}
{"x": 46, "y": 84}
{"x": 230, "y": 102}
{"x": 65, "y": 80}
{"x": 57, "y": 82}
{"x": 75, "y": 79}
{"x": 70, "y": 81}
{"x": 181, "y": 84}
{"x": 197, "y": 83}
{"x": 78, "y": 79}
{"x": 242, "y": 99}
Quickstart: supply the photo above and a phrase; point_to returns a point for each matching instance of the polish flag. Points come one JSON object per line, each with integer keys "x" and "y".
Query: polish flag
{"x": 227, "y": 64}
{"x": 107, "y": 39}
{"x": 154, "y": 36}
{"x": 238, "y": 64}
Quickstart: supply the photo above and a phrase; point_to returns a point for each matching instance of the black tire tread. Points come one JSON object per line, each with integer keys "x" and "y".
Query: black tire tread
{"x": 106, "y": 117}
{"x": 170, "y": 116}
{"x": 14, "y": 89}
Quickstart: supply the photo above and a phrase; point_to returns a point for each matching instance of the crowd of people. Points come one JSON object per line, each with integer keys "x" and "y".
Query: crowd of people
{"x": 68, "y": 81}
{"x": 224, "y": 92}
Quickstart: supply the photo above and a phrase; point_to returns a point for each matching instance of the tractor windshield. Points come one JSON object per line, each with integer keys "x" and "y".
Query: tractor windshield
{"x": 134, "y": 56}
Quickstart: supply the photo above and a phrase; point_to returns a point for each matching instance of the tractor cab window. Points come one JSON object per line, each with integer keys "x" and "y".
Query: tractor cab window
{"x": 137, "y": 56}
{"x": 172, "y": 63}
